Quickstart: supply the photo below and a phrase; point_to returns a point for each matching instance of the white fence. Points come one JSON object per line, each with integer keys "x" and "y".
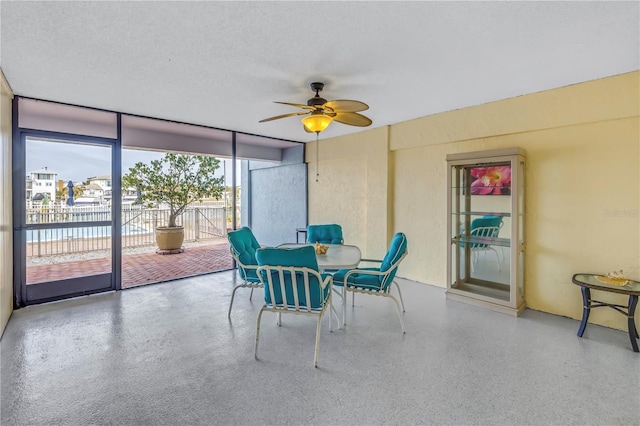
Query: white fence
{"x": 201, "y": 222}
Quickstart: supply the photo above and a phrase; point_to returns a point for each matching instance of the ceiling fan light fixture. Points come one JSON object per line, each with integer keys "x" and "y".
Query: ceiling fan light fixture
{"x": 316, "y": 122}
{"x": 319, "y": 112}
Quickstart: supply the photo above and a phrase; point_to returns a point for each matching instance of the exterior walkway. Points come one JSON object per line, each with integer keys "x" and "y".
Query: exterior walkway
{"x": 141, "y": 268}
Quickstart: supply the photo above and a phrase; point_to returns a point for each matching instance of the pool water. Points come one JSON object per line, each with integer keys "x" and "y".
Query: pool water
{"x": 34, "y": 235}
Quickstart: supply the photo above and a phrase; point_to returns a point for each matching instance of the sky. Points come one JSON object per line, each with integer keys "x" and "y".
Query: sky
{"x": 77, "y": 162}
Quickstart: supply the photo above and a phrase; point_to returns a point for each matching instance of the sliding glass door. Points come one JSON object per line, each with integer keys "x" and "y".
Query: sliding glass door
{"x": 66, "y": 228}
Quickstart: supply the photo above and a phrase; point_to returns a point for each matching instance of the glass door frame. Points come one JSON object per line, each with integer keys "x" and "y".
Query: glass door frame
{"x": 72, "y": 287}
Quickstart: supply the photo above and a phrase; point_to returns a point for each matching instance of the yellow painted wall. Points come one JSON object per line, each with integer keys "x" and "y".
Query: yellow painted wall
{"x": 582, "y": 185}
{"x": 352, "y": 188}
{"x": 6, "y": 236}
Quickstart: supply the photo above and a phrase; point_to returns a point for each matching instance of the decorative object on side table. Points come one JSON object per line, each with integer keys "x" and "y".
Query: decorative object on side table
{"x": 614, "y": 278}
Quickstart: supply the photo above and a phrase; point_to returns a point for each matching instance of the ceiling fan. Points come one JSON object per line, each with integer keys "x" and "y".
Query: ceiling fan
{"x": 320, "y": 112}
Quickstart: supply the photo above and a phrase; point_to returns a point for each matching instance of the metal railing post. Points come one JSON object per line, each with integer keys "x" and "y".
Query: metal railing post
{"x": 155, "y": 224}
{"x": 196, "y": 223}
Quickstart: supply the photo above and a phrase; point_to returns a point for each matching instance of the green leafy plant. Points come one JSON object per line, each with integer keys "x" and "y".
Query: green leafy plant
{"x": 177, "y": 180}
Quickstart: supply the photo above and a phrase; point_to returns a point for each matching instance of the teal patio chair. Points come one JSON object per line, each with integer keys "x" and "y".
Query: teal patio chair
{"x": 325, "y": 234}
{"x": 243, "y": 246}
{"x": 293, "y": 285}
{"x": 375, "y": 281}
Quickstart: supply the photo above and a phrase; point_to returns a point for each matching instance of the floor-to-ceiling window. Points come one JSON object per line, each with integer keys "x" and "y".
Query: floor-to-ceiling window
{"x": 204, "y": 249}
{"x": 80, "y": 231}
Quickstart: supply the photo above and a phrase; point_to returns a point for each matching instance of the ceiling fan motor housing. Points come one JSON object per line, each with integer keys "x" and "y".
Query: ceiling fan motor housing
{"x": 316, "y": 101}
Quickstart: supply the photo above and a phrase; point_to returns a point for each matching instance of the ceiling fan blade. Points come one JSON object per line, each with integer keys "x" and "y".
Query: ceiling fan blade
{"x": 346, "y": 105}
{"x": 291, "y": 114}
{"x": 352, "y": 119}
{"x": 296, "y": 105}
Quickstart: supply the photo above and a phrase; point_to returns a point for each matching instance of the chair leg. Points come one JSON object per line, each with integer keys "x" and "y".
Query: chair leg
{"x": 400, "y": 294}
{"x": 334, "y": 312}
{"x": 342, "y": 293}
{"x": 279, "y": 319}
{"x": 353, "y": 299}
{"x": 399, "y": 312}
{"x": 315, "y": 357}
{"x": 338, "y": 292}
{"x": 344, "y": 306}
{"x": 251, "y": 295}
{"x": 233, "y": 294}
{"x": 258, "y": 331}
{"x": 330, "y": 309}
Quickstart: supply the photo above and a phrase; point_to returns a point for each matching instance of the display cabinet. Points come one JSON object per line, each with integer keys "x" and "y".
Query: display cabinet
{"x": 486, "y": 246}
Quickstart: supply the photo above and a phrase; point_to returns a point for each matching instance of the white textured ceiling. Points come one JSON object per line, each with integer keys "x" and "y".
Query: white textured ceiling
{"x": 222, "y": 64}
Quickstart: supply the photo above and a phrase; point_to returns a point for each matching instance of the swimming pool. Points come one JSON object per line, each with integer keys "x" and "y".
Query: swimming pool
{"x": 34, "y": 235}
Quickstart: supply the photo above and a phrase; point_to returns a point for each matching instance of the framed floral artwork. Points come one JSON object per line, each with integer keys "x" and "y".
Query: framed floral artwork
{"x": 493, "y": 180}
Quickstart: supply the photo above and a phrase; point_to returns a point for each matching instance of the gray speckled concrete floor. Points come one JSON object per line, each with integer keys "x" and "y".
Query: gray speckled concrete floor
{"x": 167, "y": 355}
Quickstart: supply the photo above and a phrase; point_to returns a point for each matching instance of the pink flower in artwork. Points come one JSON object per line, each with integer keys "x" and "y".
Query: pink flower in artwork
{"x": 491, "y": 180}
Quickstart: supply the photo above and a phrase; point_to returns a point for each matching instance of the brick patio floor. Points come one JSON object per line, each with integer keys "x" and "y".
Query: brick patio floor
{"x": 141, "y": 268}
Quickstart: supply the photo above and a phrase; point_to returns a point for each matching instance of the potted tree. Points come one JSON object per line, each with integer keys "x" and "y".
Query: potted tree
{"x": 176, "y": 180}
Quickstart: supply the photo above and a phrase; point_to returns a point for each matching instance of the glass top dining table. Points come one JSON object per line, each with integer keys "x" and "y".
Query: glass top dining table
{"x": 338, "y": 256}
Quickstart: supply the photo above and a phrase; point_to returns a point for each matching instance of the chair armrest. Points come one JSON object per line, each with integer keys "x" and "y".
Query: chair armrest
{"x": 345, "y": 281}
{"x": 364, "y": 272}
{"x": 327, "y": 281}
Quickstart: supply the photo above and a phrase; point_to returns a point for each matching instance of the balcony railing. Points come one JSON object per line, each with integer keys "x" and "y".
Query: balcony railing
{"x": 201, "y": 222}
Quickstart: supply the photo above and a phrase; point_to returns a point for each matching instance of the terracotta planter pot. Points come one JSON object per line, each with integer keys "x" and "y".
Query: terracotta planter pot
{"x": 169, "y": 238}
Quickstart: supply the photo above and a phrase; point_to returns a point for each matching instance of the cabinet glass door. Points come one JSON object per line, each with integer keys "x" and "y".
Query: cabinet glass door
{"x": 480, "y": 229}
